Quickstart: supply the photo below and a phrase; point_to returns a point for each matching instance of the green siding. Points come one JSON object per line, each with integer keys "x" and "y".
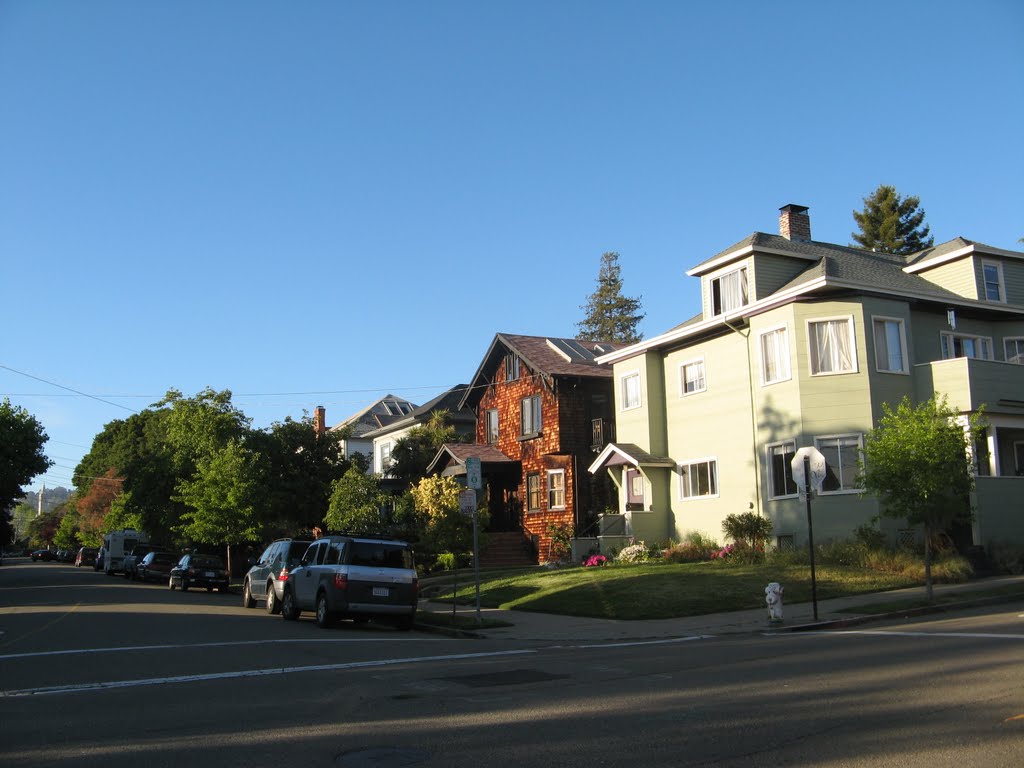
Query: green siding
{"x": 773, "y": 272}
{"x": 956, "y": 276}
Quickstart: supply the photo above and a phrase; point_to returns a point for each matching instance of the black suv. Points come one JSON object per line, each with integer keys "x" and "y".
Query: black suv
{"x": 354, "y": 577}
{"x": 266, "y": 579}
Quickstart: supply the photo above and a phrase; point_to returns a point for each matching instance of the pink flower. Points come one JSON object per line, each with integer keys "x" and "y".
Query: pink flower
{"x": 594, "y": 560}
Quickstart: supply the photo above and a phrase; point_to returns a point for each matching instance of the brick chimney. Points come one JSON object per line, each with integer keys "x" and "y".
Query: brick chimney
{"x": 320, "y": 421}
{"x": 794, "y": 223}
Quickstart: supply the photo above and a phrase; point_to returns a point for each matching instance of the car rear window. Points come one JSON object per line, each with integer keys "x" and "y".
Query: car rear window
{"x": 381, "y": 555}
{"x": 206, "y": 562}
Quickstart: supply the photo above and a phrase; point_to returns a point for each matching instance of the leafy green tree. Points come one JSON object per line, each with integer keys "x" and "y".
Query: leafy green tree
{"x": 21, "y": 452}
{"x": 221, "y": 498}
{"x": 413, "y": 453}
{"x": 66, "y": 536}
{"x": 42, "y": 529}
{"x": 917, "y": 462}
{"x": 23, "y": 514}
{"x": 749, "y": 529}
{"x": 356, "y": 504}
{"x": 299, "y": 472}
{"x": 891, "y": 223}
{"x": 610, "y": 316}
{"x": 445, "y": 529}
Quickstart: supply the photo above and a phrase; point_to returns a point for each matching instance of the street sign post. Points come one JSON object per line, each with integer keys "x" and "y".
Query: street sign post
{"x": 467, "y": 506}
{"x": 808, "y": 465}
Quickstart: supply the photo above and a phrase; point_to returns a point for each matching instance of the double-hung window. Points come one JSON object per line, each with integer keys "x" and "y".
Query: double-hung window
{"x": 698, "y": 478}
{"x": 841, "y": 453}
{"x": 492, "y": 426}
{"x": 533, "y": 492}
{"x": 890, "y": 345}
{"x": 780, "y": 457}
{"x": 556, "y": 489}
{"x": 692, "y": 378}
{"x": 1014, "y": 349}
{"x": 729, "y": 291}
{"x": 630, "y": 391}
{"x": 965, "y": 345}
{"x": 385, "y": 458}
{"x": 833, "y": 349}
{"x": 511, "y": 367}
{"x": 775, "y": 355}
{"x": 530, "y": 415}
{"x": 992, "y": 272}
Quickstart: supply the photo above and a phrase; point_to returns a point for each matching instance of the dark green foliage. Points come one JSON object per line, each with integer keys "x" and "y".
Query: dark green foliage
{"x": 891, "y": 223}
{"x": 749, "y": 530}
{"x": 610, "y": 316}
{"x": 21, "y": 453}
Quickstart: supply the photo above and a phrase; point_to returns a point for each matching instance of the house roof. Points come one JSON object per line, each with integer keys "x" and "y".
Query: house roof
{"x": 378, "y": 414}
{"x": 832, "y": 267}
{"x": 630, "y": 454}
{"x": 549, "y": 356}
{"x": 447, "y": 401}
{"x": 459, "y": 452}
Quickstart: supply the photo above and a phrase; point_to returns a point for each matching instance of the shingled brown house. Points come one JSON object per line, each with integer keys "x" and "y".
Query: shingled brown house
{"x": 544, "y": 410}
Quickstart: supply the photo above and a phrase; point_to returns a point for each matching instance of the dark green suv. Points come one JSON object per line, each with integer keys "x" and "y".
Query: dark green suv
{"x": 266, "y": 578}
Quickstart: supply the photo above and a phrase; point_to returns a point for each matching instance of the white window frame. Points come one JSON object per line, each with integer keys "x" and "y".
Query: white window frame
{"x": 812, "y": 352}
{"x": 1000, "y": 284}
{"x": 844, "y": 488}
{"x": 1018, "y": 342}
{"x": 948, "y": 342}
{"x": 556, "y": 495}
{"x": 512, "y": 367}
{"x": 384, "y": 457}
{"x": 535, "y": 424}
{"x": 769, "y": 464}
{"x": 785, "y": 372}
{"x": 624, "y": 403}
{"x": 743, "y": 287}
{"x": 684, "y": 474}
{"x": 703, "y": 376}
{"x": 904, "y": 362}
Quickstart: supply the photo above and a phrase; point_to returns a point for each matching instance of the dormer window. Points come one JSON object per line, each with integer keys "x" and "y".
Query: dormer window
{"x": 992, "y": 271}
{"x": 729, "y": 291}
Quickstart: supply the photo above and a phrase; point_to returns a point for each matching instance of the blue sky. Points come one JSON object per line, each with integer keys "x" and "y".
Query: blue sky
{"x": 323, "y": 202}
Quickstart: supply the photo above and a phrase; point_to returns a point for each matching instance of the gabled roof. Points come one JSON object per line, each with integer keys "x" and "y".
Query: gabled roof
{"x": 629, "y": 454}
{"x": 459, "y": 452}
{"x": 378, "y": 414}
{"x": 831, "y": 267}
{"x": 447, "y": 401}
{"x": 549, "y": 356}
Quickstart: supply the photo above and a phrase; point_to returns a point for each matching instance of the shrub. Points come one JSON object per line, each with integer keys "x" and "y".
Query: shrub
{"x": 689, "y": 552}
{"x": 634, "y": 553}
{"x": 1006, "y": 557}
{"x": 748, "y": 528}
{"x": 593, "y": 561}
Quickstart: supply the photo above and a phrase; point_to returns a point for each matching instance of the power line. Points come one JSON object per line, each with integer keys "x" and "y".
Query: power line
{"x": 69, "y": 389}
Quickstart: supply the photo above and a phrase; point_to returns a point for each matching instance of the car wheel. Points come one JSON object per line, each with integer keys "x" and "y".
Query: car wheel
{"x": 324, "y": 617}
{"x": 184, "y": 585}
{"x": 289, "y": 608}
{"x": 247, "y": 601}
{"x": 170, "y": 584}
{"x": 273, "y": 604}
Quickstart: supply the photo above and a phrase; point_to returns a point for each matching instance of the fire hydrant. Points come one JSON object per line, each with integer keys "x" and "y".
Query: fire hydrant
{"x": 773, "y": 596}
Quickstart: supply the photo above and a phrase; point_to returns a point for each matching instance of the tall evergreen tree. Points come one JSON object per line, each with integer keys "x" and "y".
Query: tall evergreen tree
{"x": 891, "y": 223}
{"x": 610, "y": 316}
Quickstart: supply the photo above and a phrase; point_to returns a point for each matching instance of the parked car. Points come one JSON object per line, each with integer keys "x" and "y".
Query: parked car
{"x": 101, "y": 556}
{"x": 156, "y": 566}
{"x": 354, "y": 577}
{"x": 133, "y": 558}
{"x": 266, "y": 578}
{"x": 86, "y": 556}
{"x": 43, "y": 555}
{"x": 196, "y": 570}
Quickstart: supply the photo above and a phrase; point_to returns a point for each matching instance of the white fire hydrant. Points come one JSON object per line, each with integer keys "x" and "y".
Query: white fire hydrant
{"x": 773, "y": 596}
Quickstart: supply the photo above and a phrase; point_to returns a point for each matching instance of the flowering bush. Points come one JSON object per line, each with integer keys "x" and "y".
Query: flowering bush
{"x": 594, "y": 560}
{"x": 634, "y": 553}
{"x": 723, "y": 553}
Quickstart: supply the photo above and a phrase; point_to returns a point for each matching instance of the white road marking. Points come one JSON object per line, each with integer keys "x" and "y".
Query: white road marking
{"x": 187, "y": 646}
{"x": 980, "y": 635}
{"x": 82, "y": 687}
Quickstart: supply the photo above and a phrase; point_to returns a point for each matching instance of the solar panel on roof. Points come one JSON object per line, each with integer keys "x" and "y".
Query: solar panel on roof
{"x": 571, "y": 350}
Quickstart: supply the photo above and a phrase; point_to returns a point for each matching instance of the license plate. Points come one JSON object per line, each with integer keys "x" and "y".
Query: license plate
{"x": 380, "y": 592}
{"x": 209, "y": 574}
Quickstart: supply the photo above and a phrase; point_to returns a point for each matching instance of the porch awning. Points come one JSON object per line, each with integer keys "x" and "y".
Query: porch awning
{"x": 628, "y": 454}
{"x": 451, "y": 458}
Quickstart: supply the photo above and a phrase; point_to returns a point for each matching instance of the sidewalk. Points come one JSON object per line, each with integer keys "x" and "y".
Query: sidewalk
{"x": 553, "y": 628}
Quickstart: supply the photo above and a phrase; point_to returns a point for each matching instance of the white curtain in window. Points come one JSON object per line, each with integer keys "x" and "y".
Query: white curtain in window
{"x": 733, "y": 287}
{"x": 832, "y": 346}
{"x": 775, "y": 354}
{"x": 888, "y": 346}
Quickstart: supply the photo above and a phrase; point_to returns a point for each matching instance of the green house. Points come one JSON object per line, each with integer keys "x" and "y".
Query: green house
{"x": 800, "y": 343}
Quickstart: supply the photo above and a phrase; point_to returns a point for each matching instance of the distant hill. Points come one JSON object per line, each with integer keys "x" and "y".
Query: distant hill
{"x": 51, "y": 498}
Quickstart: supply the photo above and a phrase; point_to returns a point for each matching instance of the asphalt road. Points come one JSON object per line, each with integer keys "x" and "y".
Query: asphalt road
{"x": 97, "y": 671}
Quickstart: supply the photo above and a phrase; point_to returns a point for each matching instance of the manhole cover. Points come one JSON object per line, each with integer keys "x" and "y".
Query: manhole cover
{"x": 381, "y": 757}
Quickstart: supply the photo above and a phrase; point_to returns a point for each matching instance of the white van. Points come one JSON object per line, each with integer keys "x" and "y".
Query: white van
{"x": 117, "y": 544}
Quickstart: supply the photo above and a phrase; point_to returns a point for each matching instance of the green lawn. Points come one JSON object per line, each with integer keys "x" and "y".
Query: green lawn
{"x": 662, "y": 591}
